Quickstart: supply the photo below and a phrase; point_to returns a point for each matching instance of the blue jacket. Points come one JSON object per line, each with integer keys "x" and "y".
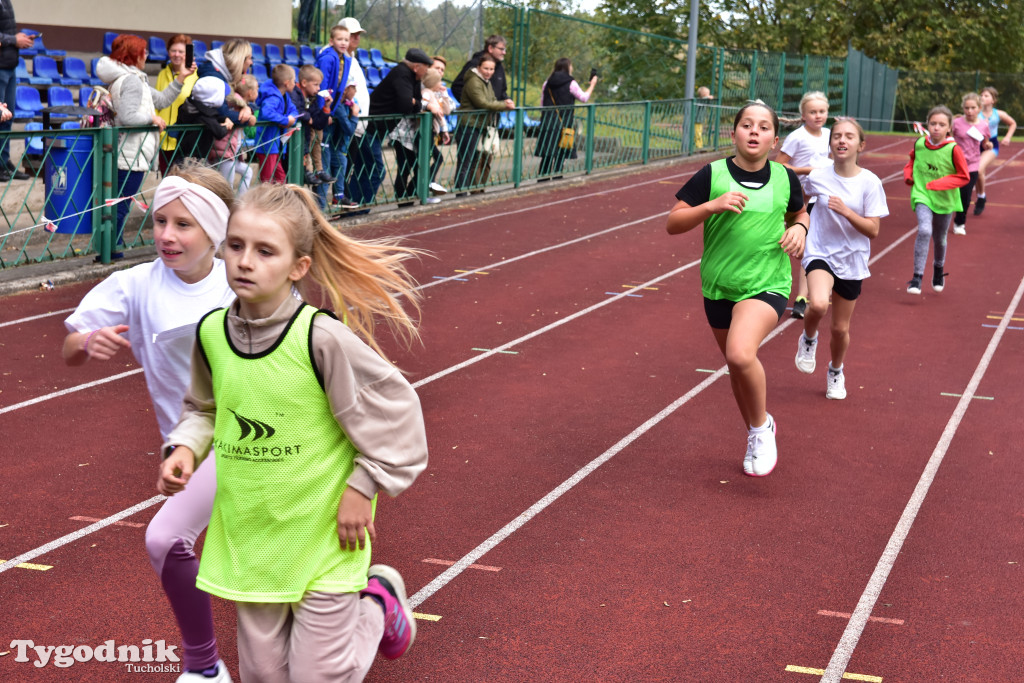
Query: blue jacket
{"x": 275, "y": 108}
{"x": 329, "y": 62}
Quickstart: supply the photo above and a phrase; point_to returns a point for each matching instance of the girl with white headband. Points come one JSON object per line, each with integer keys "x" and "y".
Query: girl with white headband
{"x": 152, "y": 310}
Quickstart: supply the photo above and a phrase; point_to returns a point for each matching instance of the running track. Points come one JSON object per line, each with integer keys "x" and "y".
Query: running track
{"x": 584, "y": 515}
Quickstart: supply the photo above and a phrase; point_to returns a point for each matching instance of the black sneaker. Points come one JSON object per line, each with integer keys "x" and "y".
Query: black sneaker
{"x": 312, "y": 179}
{"x": 979, "y": 206}
{"x": 914, "y": 286}
{"x": 799, "y": 308}
{"x": 938, "y": 279}
{"x": 325, "y": 177}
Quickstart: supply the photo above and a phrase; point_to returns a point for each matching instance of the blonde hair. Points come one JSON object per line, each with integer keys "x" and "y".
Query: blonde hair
{"x": 282, "y": 73}
{"x": 360, "y": 279}
{"x": 246, "y": 84}
{"x": 853, "y": 122}
{"x": 235, "y": 52}
{"x": 338, "y": 28}
{"x": 308, "y": 72}
{"x": 971, "y": 96}
{"x": 813, "y": 95}
{"x": 200, "y": 173}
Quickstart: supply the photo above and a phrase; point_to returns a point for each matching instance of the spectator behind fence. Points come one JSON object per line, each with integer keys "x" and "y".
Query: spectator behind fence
{"x": 494, "y": 46}
{"x": 203, "y": 107}
{"x": 439, "y": 93}
{"x": 406, "y": 135}
{"x": 339, "y": 71}
{"x": 558, "y": 95}
{"x": 175, "y": 60}
{"x": 400, "y": 93}
{"x": 477, "y": 132}
{"x": 277, "y": 108}
{"x": 317, "y": 109}
{"x": 135, "y": 103}
{"x": 228, "y": 63}
{"x": 11, "y": 40}
{"x": 365, "y": 171}
{"x": 227, "y": 155}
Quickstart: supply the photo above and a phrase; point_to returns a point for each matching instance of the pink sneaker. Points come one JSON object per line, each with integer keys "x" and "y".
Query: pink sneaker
{"x": 399, "y": 626}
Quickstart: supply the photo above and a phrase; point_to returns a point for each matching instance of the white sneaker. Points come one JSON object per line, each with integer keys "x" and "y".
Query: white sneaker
{"x": 835, "y": 387}
{"x": 438, "y": 188}
{"x": 433, "y": 200}
{"x": 959, "y": 229}
{"x": 222, "y": 675}
{"x": 805, "y": 349}
{"x": 761, "y": 452}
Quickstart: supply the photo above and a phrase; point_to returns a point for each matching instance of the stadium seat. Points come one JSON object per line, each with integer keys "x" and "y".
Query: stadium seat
{"x": 92, "y": 67}
{"x": 75, "y": 68}
{"x": 71, "y": 124}
{"x": 43, "y": 50}
{"x": 257, "y": 54}
{"x": 217, "y": 44}
{"x": 27, "y": 102}
{"x": 296, "y": 72}
{"x": 363, "y": 57}
{"x": 376, "y": 58}
{"x": 273, "y": 53}
{"x": 291, "y": 55}
{"x": 24, "y": 76}
{"x": 34, "y": 145}
{"x": 157, "y": 50}
{"x": 384, "y": 71}
{"x": 59, "y": 96}
{"x": 29, "y": 51}
{"x": 108, "y": 41}
{"x": 46, "y": 67}
{"x": 306, "y": 55}
{"x": 259, "y": 70}
{"x": 198, "y": 49}
{"x": 373, "y": 78}
{"x": 83, "y": 96}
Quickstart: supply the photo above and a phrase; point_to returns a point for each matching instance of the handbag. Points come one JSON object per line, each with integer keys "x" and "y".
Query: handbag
{"x": 567, "y": 139}
{"x": 488, "y": 142}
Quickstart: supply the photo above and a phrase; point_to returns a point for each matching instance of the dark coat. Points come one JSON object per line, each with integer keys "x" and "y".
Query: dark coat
{"x": 8, "y": 47}
{"x": 498, "y": 82}
{"x": 399, "y": 93}
{"x": 198, "y": 143}
{"x": 552, "y": 121}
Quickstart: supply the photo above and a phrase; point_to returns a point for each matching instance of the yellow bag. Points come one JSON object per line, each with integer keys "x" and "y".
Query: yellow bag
{"x": 568, "y": 138}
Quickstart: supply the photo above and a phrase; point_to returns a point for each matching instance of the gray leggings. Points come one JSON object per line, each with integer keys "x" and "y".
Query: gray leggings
{"x": 931, "y": 227}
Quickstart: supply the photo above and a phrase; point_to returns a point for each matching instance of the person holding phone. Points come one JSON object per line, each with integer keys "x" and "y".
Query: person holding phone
{"x": 177, "y": 50}
{"x": 558, "y": 95}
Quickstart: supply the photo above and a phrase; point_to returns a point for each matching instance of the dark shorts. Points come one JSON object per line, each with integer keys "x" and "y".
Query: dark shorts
{"x": 719, "y": 311}
{"x": 848, "y": 289}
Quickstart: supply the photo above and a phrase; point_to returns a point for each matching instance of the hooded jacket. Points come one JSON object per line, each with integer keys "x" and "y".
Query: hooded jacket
{"x": 274, "y": 107}
{"x": 135, "y": 103}
{"x": 479, "y": 94}
{"x": 213, "y": 64}
{"x": 198, "y": 143}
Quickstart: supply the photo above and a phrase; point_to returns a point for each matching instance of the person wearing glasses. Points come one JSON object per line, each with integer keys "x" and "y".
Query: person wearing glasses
{"x": 495, "y": 46}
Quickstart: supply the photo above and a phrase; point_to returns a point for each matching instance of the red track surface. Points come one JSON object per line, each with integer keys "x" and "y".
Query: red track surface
{"x": 664, "y": 563}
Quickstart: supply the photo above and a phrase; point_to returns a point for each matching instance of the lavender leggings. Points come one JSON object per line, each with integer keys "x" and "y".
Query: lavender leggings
{"x": 169, "y": 541}
{"x": 931, "y": 227}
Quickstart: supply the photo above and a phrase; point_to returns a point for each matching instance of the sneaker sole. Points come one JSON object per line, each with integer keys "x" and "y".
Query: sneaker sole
{"x": 835, "y": 398}
{"x": 775, "y": 431}
{"x": 913, "y": 290}
{"x": 391, "y": 575}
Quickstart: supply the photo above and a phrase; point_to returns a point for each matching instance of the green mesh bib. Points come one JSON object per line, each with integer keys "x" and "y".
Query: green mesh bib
{"x": 929, "y": 165}
{"x": 282, "y": 464}
{"x": 742, "y": 256}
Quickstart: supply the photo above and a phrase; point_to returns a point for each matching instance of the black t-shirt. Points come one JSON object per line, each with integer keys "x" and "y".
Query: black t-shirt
{"x": 697, "y": 189}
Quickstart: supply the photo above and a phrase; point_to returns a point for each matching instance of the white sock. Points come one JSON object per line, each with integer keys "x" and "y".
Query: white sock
{"x": 981, "y": 196}
{"x": 810, "y": 339}
{"x": 834, "y": 370}
{"x": 763, "y": 427}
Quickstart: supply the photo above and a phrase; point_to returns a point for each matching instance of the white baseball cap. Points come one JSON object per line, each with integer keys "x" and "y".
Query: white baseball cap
{"x": 352, "y": 24}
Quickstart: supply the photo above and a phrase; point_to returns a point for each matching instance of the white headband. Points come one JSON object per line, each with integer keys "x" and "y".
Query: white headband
{"x": 207, "y": 208}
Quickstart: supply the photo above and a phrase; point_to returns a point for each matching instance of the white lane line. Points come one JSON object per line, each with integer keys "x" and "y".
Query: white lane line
{"x": 69, "y": 390}
{"x": 844, "y": 650}
{"x": 35, "y": 317}
{"x": 75, "y": 535}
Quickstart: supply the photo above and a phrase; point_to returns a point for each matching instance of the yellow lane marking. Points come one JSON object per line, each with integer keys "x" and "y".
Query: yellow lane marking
{"x": 28, "y": 565}
{"x": 435, "y": 617}
{"x": 821, "y": 672}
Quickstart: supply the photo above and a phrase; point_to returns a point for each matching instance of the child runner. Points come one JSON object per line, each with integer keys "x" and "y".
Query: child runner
{"x": 803, "y": 150}
{"x": 936, "y": 169}
{"x": 309, "y": 423}
{"x": 851, "y": 204}
{"x": 971, "y": 135}
{"x": 753, "y": 217}
{"x": 989, "y": 96}
{"x": 152, "y": 309}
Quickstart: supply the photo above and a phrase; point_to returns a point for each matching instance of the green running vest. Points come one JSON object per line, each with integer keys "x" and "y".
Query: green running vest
{"x": 742, "y": 256}
{"x": 929, "y": 165}
{"x": 282, "y": 464}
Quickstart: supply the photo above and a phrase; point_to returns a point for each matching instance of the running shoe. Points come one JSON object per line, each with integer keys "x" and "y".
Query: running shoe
{"x": 939, "y": 279}
{"x": 959, "y": 229}
{"x": 979, "y": 206}
{"x": 312, "y": 179}
{"x": 805, "y": 349}
{"x": 346, "y": 204}
{"x": 325, "y": 177}
{"x": 438, "y": 188}
{"x": 433, "y": 200}
{"x": 761, "y": 452}
{"x": 799, "y": 307}
{"x": 835, "y": 387}
{"x": 386, "y": 585}
{"x": 914, "y": 286}
{"x": 216, "y": 674}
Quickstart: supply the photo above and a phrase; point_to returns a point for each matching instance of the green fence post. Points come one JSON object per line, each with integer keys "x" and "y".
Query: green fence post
{"x": 846, "y": 84}
{"x": 689, "y": 129}
{"x": 98, "y": 165}
{"x": 807, "y": 74}
{"x": 103, "y": 241}
{"x": 588, "y": 163}
{"x": 752, "y": 95}
{"x": 646, "y": 143}
{"x": 782, "y": 81}
{"x": 424, "y": 156}
{"x": 517, "y": 148}
{"x": 295, "y": 172}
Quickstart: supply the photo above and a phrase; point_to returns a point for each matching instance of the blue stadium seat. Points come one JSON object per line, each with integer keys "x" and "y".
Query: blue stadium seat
{"x": 59, "y": 96}
{"x": 24, "y": 76}
{"x": 46, "y": 67}
{"x": 259, "y": 70}
{"x": 75, "y": 68}
{"x": 157, "y": 50}
{"x": 363, "y": 57}
{"x": 274, "y": 56}
{"x": 71, "y": 124}
{"x": 198, "y": 49}
{"x": 384, "y": 71}
{"x": 257, "y": 53}
{"x": 27, "y": 102}
{"x": 376, "y": 58}
{"x": 30, "y": 51}
{"x": 34, "y": 145}
{"x": 217, "y": 44}
{"x": 43, "y": 50}
{"x": 108, "y": 41}
{"x": 306, "y": 55}
{"x": 92, "y": 67}
{"x": 83, "y": 96}
{"x": 291, "y": 55}
{"x": 296, "y": 72}
{"x": 373, "y": 78}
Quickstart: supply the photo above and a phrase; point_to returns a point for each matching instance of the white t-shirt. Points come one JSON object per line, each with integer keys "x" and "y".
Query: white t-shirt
{"x": 806, "y": 150}
{"x": 831, "y": 238}
{"x": 161, "y": 312}
{"x": 362, "y": 98}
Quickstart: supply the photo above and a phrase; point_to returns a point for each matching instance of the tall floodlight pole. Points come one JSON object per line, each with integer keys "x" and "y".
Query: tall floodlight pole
{"x": 691, "y": 51}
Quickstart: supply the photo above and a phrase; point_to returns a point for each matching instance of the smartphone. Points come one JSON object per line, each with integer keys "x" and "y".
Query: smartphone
{"x": 593, "y": 73}
{"x": 190, "y": 52}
